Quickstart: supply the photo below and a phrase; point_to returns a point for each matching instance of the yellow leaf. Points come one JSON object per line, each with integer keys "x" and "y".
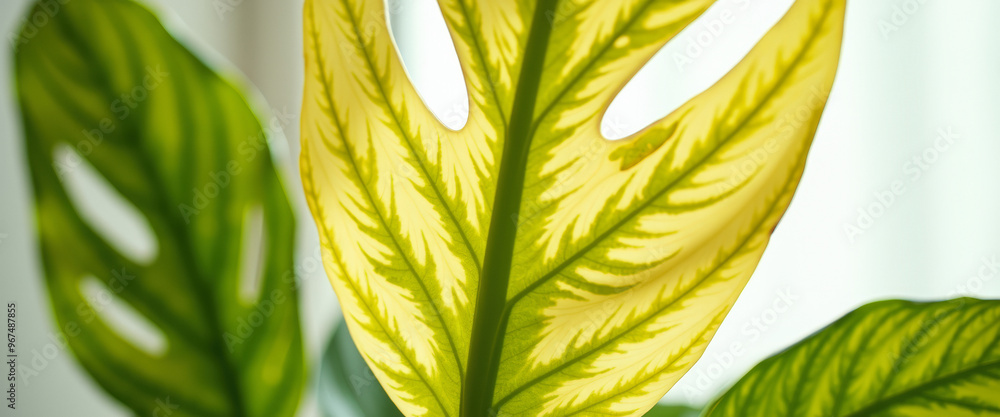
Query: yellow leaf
{"x": 525, "y": 265}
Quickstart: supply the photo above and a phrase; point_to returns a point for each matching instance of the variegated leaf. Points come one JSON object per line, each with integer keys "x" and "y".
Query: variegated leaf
{"x": 525, "y": 265}
{"x": 108, "y": 94}
{"x": 889, "y": 358}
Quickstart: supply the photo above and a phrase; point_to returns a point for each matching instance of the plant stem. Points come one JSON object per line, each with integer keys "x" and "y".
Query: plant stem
{"x": 489, "y": 325}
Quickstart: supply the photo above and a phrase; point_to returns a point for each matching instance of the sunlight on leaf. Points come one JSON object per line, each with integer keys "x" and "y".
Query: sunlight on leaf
{"x": 525, "y": 265}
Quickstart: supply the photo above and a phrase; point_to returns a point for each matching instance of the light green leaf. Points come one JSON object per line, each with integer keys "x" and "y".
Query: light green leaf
{"x": 347, "y": 387}
{"x": 890, "y": 358}
{"x": 525, "y": 265}
{"x": 107, "y": 93}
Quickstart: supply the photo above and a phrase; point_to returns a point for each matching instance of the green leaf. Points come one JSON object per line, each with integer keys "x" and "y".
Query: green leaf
{"x": 104, "y": 84}
{"x": 525, "y": 265}
{"x": 890, "y": 358}
{"x": 347, "y": 387}
{"x": 661, "y": 410}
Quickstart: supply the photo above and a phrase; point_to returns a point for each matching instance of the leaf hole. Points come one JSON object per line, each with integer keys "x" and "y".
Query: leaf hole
{"x": 112, "y": 216}
{"x": 697, "y": 58}
{"x": 103, "y": 301}
{"x": 428, "y": 54}
{"x": 252, "y": 250}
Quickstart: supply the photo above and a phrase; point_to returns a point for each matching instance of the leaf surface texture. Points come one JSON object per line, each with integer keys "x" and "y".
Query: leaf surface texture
{"x": 525, "y": 265}
{"x": 180, "y": 146}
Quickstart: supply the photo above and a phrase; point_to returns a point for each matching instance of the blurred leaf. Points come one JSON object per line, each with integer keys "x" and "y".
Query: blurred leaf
{"x": 660, "y": 410}
{"x": 347, "y": 387}
{"x": 890, "y": 358}
{"x": 104, "y": 89}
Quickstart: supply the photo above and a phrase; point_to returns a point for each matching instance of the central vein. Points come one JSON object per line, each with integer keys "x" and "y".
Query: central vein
{"x": 489, "y": 324}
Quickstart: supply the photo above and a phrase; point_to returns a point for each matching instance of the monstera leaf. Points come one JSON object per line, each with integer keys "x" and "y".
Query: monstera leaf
{"x": 104, "y": 89}
{"x": 890, "y": 358}
{"x": 524, "y": 265}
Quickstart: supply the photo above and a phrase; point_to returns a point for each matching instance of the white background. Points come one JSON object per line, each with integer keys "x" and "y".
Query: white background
{"x": 895, "y": 91}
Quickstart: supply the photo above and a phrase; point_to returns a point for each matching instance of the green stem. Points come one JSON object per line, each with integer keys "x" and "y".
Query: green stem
{"x": 489, "y": 324}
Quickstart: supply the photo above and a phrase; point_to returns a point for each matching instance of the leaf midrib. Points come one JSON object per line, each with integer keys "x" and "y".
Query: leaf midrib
{"x": 507, "y": 307}
{"x": 488, "y": 330}
{"x": 904, "y": 394}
